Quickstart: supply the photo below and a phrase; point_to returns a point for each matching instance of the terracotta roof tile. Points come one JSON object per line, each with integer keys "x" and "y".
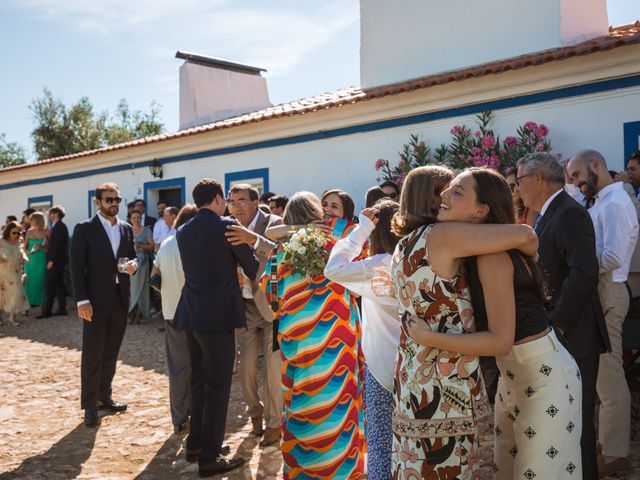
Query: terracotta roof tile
{"x": 618, "y": 36}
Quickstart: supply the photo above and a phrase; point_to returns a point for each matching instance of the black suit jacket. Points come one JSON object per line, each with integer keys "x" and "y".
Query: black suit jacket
{"x": 93, "y": 266}
{"x": 149, "y": 221}
{"x": 570, "y": 267}
{"x": 211, "y": 299}
{"x": 58, "y": 242}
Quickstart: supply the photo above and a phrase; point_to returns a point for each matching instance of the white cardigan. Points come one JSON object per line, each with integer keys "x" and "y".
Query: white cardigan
{"x": 380, "y": 318}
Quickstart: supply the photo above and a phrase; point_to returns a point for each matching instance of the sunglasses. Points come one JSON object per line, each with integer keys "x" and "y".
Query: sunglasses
{"x": 112, "y": 200}
{"x": 15, "y": 233}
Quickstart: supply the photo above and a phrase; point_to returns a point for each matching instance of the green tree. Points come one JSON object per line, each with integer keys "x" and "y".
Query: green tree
{"x": 11, "y": 153}
{"x": 65, "y": 130}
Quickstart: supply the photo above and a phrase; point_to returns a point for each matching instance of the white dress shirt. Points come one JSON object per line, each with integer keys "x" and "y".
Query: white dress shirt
{"x": 380, "y": 317}
{"x": 616, "y": 225}
{"x": 161, "y": 231}
{"x": 170, "y": 265}
{"x": 113, "y": 232}
{"x": 548, "y": 202}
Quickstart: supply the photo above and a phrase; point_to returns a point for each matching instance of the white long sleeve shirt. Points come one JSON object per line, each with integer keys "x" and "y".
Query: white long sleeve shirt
{"x": 616, "y": 225}
{"x": 380, "y": 318}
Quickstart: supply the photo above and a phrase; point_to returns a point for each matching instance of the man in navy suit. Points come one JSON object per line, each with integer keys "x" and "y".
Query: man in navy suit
{"x": 57, "y": 259}
{"x": 101, "y": 291}
{"x": 209, "y": 310}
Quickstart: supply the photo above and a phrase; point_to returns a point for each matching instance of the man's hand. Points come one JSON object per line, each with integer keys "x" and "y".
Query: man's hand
{"x": 132, "y": 267}
{"x": 49, "y": 265}
{"x": 85, "y": 312}
{"x": 239, "y": 235}
{"x": 621, "y": 177}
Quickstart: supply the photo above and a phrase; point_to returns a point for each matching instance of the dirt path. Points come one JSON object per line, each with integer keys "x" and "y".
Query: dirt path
{"x": 41, "y": 430}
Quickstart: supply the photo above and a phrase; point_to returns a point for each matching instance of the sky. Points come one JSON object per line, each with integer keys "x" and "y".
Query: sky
{"x": 113, "y": 49}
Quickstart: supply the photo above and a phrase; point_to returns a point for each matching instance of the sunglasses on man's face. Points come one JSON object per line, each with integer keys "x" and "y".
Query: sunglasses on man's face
{"x": 112, "y": 200}
{"x": 15, "y": 233}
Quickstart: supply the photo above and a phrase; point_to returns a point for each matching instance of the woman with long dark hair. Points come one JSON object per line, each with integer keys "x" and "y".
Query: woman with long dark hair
{"x": 380, "y": 326}
{"x": 438, "y": 393}
{"x": 538, "y": 404}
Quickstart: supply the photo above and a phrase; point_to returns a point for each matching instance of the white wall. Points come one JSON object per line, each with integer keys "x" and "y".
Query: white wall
{"x": 347, "y": 162}
{"x": 418, "y": 38}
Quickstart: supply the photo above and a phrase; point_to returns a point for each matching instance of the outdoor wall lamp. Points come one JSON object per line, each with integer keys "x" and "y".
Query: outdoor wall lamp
{"x": 155, "y": 168}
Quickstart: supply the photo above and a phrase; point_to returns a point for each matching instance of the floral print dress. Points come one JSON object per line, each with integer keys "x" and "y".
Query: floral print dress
{"x": 438, "y": 395}
{"x": 13, "y": 298}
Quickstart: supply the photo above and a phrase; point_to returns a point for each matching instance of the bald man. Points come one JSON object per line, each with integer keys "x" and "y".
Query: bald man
{"x": 616, "y": 227}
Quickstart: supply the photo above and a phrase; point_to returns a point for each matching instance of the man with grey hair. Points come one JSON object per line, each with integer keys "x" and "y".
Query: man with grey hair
{"x": 570, "y": 267}
{"x": 616, "y": 227}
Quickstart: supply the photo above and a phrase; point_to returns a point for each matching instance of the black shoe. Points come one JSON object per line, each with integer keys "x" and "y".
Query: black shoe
{"x": 112, "y": 406}
{"x": 91, "y": 418}
{"x": 44, "y": 315}
{"x": 194, "y": 455}
{"x": 60, "y": 313}
{"x": 219, "y": 465}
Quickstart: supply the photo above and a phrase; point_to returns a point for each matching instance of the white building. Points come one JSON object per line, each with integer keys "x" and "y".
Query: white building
{"x": 425, "y": 66}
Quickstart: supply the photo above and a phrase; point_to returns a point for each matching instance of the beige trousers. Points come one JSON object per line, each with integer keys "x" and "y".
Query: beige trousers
{"x": 259, "y": 336}
{"x": 613, "y": 390}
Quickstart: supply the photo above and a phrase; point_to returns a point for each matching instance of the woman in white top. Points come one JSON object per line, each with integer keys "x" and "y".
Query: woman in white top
{"x": 380, "y": 324}
{"x": 168, "y": 263}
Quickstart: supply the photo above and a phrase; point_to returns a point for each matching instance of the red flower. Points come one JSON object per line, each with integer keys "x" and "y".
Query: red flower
{"x": 530, "y": 126}
{"x": 542, "y": 130}
{"x": 488, "y": 141}
{"x": 380, "y": 163}
{"x": 510, "y": 141}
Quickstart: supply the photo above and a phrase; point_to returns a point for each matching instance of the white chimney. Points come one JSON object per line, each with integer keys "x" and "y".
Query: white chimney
{"x": 212, "y": 89}
{"x": 406, "y": 39}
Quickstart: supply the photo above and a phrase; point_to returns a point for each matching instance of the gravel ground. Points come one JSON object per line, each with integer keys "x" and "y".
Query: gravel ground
{"x": 41, "y": 430}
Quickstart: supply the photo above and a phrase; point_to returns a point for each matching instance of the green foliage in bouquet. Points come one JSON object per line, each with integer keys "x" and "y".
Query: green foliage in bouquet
{"x": 306, "y": 252}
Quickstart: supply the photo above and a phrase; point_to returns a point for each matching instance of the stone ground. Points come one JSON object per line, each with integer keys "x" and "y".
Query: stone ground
{"x": 41, "y": 430}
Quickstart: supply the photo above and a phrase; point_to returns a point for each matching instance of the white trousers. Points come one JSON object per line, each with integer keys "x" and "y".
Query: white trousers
{"x": 538, "y": 413}
{"x": 614, "y": 421}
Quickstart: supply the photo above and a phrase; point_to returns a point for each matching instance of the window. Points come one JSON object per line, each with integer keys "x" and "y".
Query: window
{"x": 172, "y": 191}
{"x": 258, "y": 178}
{"x": 41, "y": 204}
{"x": 92, "y": 208}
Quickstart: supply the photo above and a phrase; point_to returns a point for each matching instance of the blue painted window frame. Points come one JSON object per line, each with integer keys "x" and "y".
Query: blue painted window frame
{"x": 40, "y": 200}
{"x": 246, "y": 175}
{"x": 90, "y": 196}
{"x": 170, "y": 182}
{"x": 631, "y": 139}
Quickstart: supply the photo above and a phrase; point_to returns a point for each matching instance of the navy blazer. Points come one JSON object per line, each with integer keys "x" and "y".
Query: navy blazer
{"x": 93, "y": 266}
{"x": 211, "y": 299}
{"x": 570, "y": 267}
{"x": 57, "y": 248}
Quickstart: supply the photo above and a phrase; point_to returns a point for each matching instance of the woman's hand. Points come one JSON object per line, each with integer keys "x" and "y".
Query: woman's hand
{"x": 371, "y": 213}
{"x": 418, "y": 330}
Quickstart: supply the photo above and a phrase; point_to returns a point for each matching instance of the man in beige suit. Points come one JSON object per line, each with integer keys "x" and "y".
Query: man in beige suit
{"x": 243, "y": 205}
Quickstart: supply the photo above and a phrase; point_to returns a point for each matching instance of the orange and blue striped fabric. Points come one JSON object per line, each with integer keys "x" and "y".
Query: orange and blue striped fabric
{"x": 322, "y": 375}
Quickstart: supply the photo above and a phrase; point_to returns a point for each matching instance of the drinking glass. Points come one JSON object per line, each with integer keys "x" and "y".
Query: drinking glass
{"x": 122, "y": 264}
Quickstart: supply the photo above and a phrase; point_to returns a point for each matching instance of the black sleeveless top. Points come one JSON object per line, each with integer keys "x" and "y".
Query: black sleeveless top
{"x": 531, "y": 315}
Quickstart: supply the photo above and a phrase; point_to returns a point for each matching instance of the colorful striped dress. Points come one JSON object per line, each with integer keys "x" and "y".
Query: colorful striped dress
{"x": 322, "y": 374}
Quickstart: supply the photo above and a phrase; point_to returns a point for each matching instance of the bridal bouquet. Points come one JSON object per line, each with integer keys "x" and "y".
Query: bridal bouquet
{"x": 306, "y": 252}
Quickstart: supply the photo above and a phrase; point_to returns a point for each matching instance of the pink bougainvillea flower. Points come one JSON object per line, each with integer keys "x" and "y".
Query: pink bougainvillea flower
{"x": 477, "y": 134}
{"x": 540, "y": 147}
{"x": 380, "y": 163}
{"x": 542, "y": 130}
{"x": 457, "y": 130}
{"x": 530, "y": 126}
{"x": 402, "y": 164}
{"x": 510, "y": 141}
{"x": 488, "y": 141}
{"x": 476, "y": 151}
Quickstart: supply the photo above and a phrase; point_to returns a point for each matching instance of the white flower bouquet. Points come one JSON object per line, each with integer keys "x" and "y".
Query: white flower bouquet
{"x": 306, "y": 252}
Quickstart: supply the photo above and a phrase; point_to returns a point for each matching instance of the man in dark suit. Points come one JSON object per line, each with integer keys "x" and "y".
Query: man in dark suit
{"x": 258, "y": 334}
{"x": 57, "y": 258}
{"x": 570, "y": 267}
{"x": 141, "y": 206}
{"x": 209, "y": 310}
{"x": 100, "y": 277}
